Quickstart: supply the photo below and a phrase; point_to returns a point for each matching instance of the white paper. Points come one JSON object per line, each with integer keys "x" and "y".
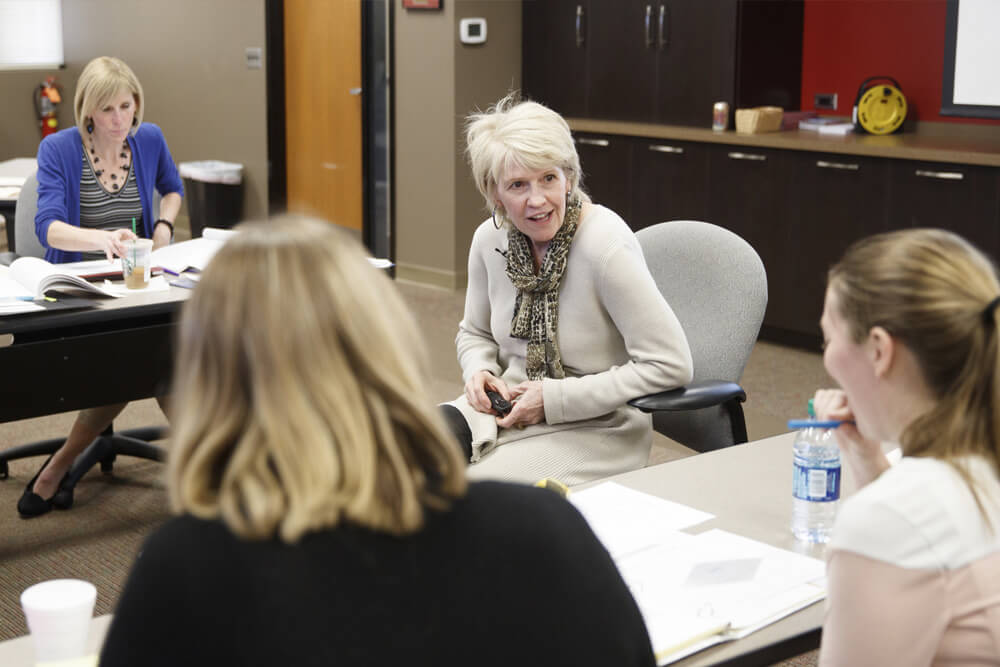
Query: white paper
{"x": 156, "y": 284}
{"x": 16, "y": 307}
{"x": 10, "y": 287}
{"x": 38, "y": 276}
{"x": 177, "y": 257}
{"x": 626, "y": 520}
{"x": 690, "y": 586}
{"x": 837, "y": 128}
{"x": 218, "y": 234}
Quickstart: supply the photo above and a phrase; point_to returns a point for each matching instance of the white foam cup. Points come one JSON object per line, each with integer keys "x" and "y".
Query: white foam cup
{"x": 58, "y": 614}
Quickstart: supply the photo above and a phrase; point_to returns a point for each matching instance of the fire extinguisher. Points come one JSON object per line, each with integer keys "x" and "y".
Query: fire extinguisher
{"x": 47, "y": 98}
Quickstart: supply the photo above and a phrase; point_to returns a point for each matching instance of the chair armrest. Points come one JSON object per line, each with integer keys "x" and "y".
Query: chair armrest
{"x": 6, "y": 257}
{"x": 696, "y": 395}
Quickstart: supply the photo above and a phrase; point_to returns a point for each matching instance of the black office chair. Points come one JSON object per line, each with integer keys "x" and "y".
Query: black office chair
{"x": 111, "y": 443}
{"x": 716, "y": 285}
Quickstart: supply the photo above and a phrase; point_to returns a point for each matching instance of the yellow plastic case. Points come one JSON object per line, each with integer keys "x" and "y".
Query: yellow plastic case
{"x": 881, "y": 109}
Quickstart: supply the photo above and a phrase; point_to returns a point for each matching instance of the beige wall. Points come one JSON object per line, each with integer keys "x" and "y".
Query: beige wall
{"x": 191, "y": 63}
{"x": 189, "y": 56}
{"x": 439, "y": 81}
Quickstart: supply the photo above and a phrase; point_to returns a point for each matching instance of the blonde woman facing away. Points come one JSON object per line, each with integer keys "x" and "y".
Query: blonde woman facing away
{"x": 562, "y": 317}
{"x": 911, "y": 330}
{"x": 324, "y": 515}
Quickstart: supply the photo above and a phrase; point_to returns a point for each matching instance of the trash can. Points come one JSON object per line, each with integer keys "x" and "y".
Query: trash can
{"x": 214, "y": 194}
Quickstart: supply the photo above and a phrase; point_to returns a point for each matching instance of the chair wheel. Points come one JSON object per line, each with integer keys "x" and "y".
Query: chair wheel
{"x": 4, "y": 470}
{"x": 108, "y": 464}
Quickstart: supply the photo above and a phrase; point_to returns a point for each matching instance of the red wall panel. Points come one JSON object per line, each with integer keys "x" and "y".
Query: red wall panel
{"x": 846, "y": 41}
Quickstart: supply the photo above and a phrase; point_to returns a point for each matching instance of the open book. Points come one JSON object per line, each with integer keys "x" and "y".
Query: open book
{"x": 695, "y": 591}
{"x": 191, "y": 255}
{"x": 33, "y": 277}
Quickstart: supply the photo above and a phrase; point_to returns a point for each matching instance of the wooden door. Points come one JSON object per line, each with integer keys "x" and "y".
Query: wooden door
{"x": 695, "y": 65}
{"x": 959, "y": 197}
{"x": 747, "y": 196}
{"x": 622, "y": 61}
{"x": 323, "y": 109}
{"x": 606, "y": 161}
{"x": 832, "y": 200}
{"x": 555, "y": 46}
{"x": 671, "y": 182}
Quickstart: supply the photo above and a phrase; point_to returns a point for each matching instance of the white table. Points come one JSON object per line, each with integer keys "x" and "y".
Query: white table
{"x": 749, "y": 490}
{"x": 20, "y": 652}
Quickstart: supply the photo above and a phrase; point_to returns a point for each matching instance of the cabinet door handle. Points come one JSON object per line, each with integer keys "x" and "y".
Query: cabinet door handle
{"x": 942, "y": 175}
{"x": 603, "y": 143}
{"x": 661, "y": 148}
{"x": 579, "y": 26}
{"x": 847, "y": 166}
{"x": 662, "y": 32}
{"x": 747, "y": 156}
{"x": 649, "y": 26}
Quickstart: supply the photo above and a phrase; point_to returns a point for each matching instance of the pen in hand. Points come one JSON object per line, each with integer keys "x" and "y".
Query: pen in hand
{"x": 817, "y": 423}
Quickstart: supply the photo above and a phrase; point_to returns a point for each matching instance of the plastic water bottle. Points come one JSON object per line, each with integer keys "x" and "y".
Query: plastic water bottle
{"x": 816, "y": 482}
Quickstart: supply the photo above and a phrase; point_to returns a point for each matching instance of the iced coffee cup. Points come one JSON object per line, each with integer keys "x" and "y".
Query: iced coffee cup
{"x": 137, "y": 262}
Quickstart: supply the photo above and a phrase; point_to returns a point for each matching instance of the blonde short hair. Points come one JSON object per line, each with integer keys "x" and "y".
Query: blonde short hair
{"x": 299, "y": 398}
{"x": 512, "y": 133}
{"x": 930, "y": 289}
{"x": 101, "y": 81}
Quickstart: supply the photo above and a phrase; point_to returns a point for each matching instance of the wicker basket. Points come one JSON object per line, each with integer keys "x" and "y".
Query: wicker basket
{"x": 758, "y": 119}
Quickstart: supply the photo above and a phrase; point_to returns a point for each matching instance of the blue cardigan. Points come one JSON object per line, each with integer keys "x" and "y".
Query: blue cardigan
{"x": 60, "y": 167}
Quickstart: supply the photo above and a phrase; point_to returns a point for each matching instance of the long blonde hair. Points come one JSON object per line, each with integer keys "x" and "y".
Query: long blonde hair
{"x": 514, "y": 133}
{"x": 932, "y": 290}
{"x": 299, "y": 397}
{"x": 102, "y": 79}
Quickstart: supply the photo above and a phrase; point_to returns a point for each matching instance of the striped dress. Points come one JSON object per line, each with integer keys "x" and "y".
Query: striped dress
{"x": 101, "y": 209}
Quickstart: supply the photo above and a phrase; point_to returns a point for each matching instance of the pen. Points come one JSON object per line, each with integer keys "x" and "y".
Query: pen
{"x": 817, "y": 423}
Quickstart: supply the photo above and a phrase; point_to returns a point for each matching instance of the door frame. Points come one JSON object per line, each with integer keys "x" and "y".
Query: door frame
{"x": 277, "y": 177}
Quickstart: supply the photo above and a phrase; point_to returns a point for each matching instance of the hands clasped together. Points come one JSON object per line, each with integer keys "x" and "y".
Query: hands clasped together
{"x": 526, "y": 399}
{"x": 863, "y": 454}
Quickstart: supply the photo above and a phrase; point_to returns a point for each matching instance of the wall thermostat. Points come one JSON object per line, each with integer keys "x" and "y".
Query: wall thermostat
{"x": 472, "y": 31}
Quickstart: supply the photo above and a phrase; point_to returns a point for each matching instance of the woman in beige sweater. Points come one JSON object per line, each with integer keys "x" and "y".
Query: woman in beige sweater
{"x": 562, "y": 318}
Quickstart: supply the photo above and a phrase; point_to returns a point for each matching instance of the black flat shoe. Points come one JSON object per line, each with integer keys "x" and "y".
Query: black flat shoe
{"x": 31, "y": 504}
{"x": 63, "y": 499}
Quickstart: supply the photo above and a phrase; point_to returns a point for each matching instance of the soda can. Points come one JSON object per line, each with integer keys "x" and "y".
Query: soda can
{"x": 720, "y": 116}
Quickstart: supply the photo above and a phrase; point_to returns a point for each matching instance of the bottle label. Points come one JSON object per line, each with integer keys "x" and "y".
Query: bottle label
{"x": 816, "y": 484}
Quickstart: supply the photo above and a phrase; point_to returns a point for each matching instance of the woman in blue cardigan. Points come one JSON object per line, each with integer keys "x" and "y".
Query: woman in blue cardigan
{"x": 94, "y": 180}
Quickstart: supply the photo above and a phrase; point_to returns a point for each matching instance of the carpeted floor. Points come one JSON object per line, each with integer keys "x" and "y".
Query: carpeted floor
{"x": 98, "y": 538}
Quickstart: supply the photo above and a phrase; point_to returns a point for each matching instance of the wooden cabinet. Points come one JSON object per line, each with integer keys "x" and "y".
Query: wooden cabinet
{"x": 645, "y": 181}
{"x": 667, "y": 61}
{"x": 606, "y": 161}
{"x": 555, "y": 34}
{"x": 962, "y": 198}
{"x": 747, "y": 197}
{"x": 621, "y": 61}
{"x": 829, "y": 201}
{"x": 671, "y": 181}
{"x": 799, "y": 209}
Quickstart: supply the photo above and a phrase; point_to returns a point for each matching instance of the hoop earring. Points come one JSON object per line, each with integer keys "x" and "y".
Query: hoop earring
{"x": 493, "y": 215}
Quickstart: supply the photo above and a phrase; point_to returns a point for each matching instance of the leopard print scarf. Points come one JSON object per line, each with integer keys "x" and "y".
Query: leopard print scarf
{"x": 536, "y": 310}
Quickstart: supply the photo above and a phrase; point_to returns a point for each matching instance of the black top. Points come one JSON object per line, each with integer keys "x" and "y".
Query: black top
{"x": 511, "y": 575}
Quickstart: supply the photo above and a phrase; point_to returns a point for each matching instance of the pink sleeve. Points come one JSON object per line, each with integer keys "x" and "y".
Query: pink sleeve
{"x": 881, "y": 614}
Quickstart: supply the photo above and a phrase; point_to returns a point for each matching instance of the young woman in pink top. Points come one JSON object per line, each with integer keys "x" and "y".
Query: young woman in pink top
{"x": 910, "y": 326}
